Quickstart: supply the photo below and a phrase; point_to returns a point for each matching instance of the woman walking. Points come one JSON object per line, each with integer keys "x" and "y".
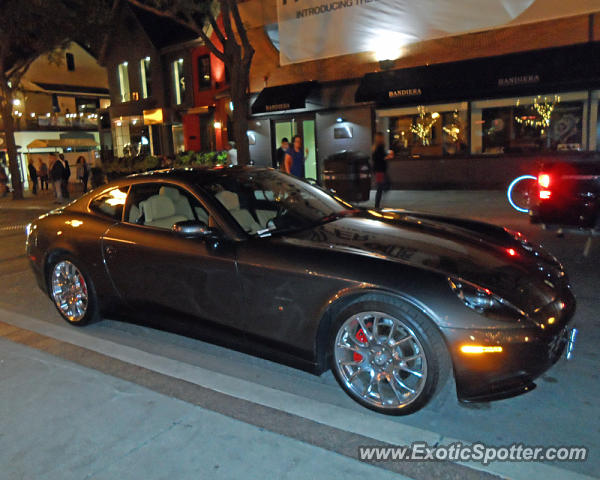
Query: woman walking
{"x": 82, "y": 172}
{"x": 380, "y": 164}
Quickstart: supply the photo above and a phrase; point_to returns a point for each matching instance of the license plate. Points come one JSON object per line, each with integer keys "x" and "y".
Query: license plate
{"x": 572, "y": 335}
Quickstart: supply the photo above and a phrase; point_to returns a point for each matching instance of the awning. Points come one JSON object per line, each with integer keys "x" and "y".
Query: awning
{"x": 283, "y": 97}
{"x": 551, "y": 70}
{"x": 63, "y": 143}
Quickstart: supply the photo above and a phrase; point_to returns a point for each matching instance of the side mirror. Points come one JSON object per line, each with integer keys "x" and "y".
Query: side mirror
{"x": 194, "y": 228}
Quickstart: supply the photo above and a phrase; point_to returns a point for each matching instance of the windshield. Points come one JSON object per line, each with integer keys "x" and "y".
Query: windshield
{"x": 267, "y": 201}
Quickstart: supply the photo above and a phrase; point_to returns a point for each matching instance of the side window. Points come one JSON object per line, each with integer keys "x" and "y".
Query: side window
{"x": 111, "y": 203}
{"x": 162, "y": 205}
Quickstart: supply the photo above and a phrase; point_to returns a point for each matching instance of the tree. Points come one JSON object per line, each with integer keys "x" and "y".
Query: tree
{"x": 30, "y": 29}
{"x": 228, "y": 42}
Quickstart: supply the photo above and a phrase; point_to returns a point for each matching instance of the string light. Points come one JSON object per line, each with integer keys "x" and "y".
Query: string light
{"x": 544, "y": 109}
{"x": 424, "y": 123}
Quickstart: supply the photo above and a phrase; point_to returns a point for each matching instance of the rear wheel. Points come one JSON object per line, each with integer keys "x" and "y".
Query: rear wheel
{"x": 389, "y": 358}
{"x": 72, "y": 291}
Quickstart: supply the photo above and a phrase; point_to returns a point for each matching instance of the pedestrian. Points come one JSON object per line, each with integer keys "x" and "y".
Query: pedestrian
{"x": 380, "y": 165}
{"x": 66, "y": 176}
{"x": 294, "y": 158}
{"x": 232, "y": 154}
{"x": 3, "y": 181}
{"x": 82, "y": 172}
{"x": 33, "y": 176}
{"x": 43, "y": 173}
{"x": 280, "y": 154}
{"x": 57, "y": 177}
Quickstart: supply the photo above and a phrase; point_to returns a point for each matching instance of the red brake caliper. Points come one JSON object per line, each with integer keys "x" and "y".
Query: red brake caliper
{"x": 362, "y": 338}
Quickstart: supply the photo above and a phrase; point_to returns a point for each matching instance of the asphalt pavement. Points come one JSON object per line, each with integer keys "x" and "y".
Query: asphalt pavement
{"x": 117, "y": 400}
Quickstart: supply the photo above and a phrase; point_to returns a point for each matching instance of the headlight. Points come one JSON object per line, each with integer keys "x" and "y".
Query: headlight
{"x": 483, "y": 301}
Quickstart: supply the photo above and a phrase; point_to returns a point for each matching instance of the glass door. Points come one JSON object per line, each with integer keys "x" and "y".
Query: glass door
{"x": 305, "y": 127}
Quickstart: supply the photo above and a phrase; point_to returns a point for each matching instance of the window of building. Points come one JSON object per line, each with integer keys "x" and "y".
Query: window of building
{"x": 87, "y": 105}
{"x": 123, "y": 74}
{"x": 146, "y": 77}
{"x": 178, "y": 81}
{"x": 204, "y": 73}
{"x": 551, "y": 122}
{"x": 70, "y": 62}
{"x": 433, "y": 130}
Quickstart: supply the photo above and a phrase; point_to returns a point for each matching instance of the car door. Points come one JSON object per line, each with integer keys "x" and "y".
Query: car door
{"x": 155, "y": 269}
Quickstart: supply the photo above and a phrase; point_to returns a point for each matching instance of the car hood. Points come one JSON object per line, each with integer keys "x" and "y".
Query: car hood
{"x": 483, "y": 254}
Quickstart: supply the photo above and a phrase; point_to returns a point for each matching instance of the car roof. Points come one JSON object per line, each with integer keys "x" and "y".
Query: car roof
{"x": 197, "y": 175}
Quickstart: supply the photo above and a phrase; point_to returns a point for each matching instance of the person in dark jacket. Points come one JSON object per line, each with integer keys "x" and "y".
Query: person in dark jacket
{"x": 57, "y": 175}
{"x": 66, "y": 176}
{"x": 380, "y": 164}
{"x": 33, "y": 176}
{"x": 281, "y": 152}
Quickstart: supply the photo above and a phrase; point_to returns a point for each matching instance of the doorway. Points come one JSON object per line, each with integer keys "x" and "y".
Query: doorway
{"x": 305, "y": 127}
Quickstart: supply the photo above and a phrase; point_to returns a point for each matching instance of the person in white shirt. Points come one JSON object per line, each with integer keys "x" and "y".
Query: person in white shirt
{"x": 232, "y": 154}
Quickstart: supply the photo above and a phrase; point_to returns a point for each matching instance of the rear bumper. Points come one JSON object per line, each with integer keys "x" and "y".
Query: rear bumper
{"x": 526, "y": 354}
{"x": 581, "y": 215}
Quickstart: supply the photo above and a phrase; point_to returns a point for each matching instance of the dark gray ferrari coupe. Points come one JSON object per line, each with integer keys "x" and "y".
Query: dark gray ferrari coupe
{"x": 394, "y": 302}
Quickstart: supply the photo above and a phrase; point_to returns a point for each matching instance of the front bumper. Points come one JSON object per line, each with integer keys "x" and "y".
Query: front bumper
{"x": 526, "y": 354}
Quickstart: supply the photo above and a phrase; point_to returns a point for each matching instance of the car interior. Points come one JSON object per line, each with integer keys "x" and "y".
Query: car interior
{"x": 162, "y": 206}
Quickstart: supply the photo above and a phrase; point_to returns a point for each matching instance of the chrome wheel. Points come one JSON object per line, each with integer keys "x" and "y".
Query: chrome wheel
{"x": 380, "y": 360}
{"x": 69, "y": 291}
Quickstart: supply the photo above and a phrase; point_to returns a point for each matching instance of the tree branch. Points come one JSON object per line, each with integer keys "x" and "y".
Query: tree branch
{"x": 241, "y": 29}
{"x": 216, "y": 28}
{"x": 192, "y": 26}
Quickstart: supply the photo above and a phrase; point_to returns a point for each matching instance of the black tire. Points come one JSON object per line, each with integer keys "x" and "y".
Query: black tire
{"x": 438, "y": 362}
{"x": 92, "y": 313}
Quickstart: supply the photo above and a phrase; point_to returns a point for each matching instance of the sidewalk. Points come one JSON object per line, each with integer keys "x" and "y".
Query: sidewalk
{"x": 44, "y": 200}
{"x": 63, "y": 421}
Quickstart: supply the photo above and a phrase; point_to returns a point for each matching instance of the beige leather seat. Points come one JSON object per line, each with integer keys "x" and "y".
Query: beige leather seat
{"x": 264, "y": 216}
{"x": 231, "y": 202}
{"x": 159, "y": 211}
{"x": 134, "y": 214}
{"x": 182, "y": 204}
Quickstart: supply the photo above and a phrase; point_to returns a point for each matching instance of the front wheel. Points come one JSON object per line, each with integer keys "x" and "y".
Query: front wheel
{"x": 389, "y": 358}
{"x": 72, "y": 292}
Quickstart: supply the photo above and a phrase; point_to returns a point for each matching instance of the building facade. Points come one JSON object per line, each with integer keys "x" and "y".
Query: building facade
{"x": 56, "y": 107}
{"x": 466, "y": 110}
{"x": 168, "y": 92}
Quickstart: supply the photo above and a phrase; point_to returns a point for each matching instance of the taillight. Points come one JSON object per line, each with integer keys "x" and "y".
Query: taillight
{"x": 544, "y": 184}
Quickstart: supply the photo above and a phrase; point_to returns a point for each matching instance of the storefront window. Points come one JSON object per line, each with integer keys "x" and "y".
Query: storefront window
{"x": 130, "y": 137}
{"x": 434, "y": 130}
{"x": 527, "y": 125}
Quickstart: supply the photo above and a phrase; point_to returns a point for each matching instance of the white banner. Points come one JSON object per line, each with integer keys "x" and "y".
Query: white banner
{"x": 313, "y": 29}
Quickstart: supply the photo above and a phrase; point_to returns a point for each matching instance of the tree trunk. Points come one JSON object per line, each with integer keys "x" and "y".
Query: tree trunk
{"x": 11, "y": 147}
{"x": 239, "y": 88}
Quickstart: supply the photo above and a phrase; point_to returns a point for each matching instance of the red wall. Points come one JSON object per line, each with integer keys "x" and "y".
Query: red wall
{"x": 206, "y": 97}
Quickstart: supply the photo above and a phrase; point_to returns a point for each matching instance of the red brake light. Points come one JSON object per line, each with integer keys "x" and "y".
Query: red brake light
{"x": 545, "y": 194}
{"x": 544, "y": 180}
{"x": 511, "y": 251}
